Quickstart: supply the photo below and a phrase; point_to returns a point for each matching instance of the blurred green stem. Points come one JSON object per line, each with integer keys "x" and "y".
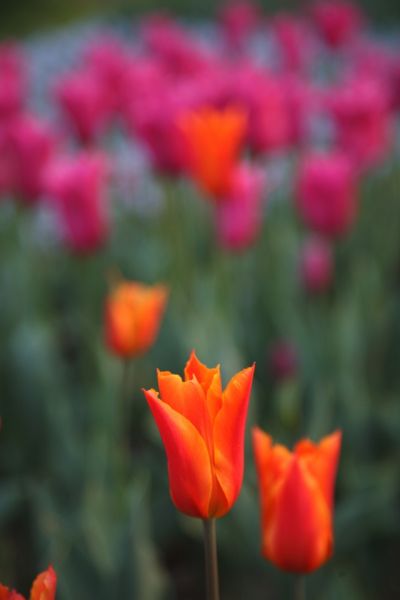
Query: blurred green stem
{"x": 124, "y": 400}
{"x": 211, "y": 559}
{"x": 300, "y": 588}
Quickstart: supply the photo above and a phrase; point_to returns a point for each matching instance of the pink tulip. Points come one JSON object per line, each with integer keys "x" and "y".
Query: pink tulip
{"x": 364, "y": 123}
{"x": 6, "y": 163}
{"x": 263, "y": 98}
{"x": 283, "y": 360}
{"x": 77, "y": 185}
{"x": 154, "y": 118}
{"x": 12, "y": 81}
{"x": 294, "y": 41}
{"x": 109, "y": 60}
{"x": 395, "y": 83}
{"x": 239, "y": 216}
{"x": 316, "y": 265}
{"x": 180, "y": 54}
{"x": 238, "y": 20}
{"x": 84, "y": 103}
{"x": 31, "y": 144}
{"x": 327, "y": 195}
{"x": 338, "y": 21}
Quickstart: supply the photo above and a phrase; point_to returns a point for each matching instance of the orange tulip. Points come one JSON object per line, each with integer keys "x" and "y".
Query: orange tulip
{"x": 132, "y": 317}
{"x": 214, "y": 139}
{"x": 297, "y": 500}
{"x": 43, "y": 588}
{"x": 202, "y": 428}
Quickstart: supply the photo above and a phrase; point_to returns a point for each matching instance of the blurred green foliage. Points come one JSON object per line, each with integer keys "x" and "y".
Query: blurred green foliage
{"x": 72, "y": 493}
{"x": 25, "y": 16}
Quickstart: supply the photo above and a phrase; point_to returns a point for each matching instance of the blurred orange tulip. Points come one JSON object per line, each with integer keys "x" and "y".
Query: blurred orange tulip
{"x": 214, "y": 139}
{"x": 202, "y": 428}
{"x": 297, "y": 500}
{"x": 43, "y": 588}
{"x": 132, "y": 317}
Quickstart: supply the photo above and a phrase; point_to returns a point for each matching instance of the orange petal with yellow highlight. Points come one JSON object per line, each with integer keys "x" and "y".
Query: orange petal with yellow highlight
{"x": 7, "y": 594}
{"x": 44, "y": 586}
{"x": 229, "y": 431}
{"x": 186, "y": 398}
{"x": 189, "y": 469}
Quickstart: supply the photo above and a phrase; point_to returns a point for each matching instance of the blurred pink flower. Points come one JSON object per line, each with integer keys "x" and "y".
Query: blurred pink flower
{"x": 110, "y": 61}
{"x": 239, "y": 216}
{"x": 283, "y": 360}
{"x": 85, "y": 104}
{"x": 31, "y": 143}
{"x": 263, "y": 98}
{"x": 6, "y": 164}
{"x": 327, "y": 194}
{"x": 77, "y": 186}
{"x": 337, "y": 21}
{"x": 293, "y": 37}
{"x": 12, "y": 80}
{"x": 154, "y": 118}
{"x": 395, "y": 83}
{"x": 364, "y": 123}
{"x": 179, "y": 52}
{"x": 238, "y": 20}
{"x": 316, "y": 265}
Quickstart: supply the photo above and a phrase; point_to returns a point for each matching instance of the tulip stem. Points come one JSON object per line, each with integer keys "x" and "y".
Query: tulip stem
{"x": 124, "y": 400}
{"x": 211, "y": 559}
{"x": 300, "y": 588}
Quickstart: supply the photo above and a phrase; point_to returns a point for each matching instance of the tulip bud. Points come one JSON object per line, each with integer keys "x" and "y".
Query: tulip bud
{"x": 239, "y": 216}
{"x": 283, "y": 360}
{"x": 84, "y": 103}
{"x": 296, "y": 490}
{"x": 12, "y": 81}
{"x": 238, "y": 20}
{"x": 133, "y": 315}
{"x": 316, "y": 265}
{"x": 337, "y": 21}
{"x": 31, "y": 145}
{"x": 202, "y": 428}
{"x": 213, "y": 140}
{"x": 77, "y": 185}
{"x": 327, "y": 196}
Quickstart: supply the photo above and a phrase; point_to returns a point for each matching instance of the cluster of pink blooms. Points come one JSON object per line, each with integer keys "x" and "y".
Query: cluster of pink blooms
{"x": 145, "y": 87}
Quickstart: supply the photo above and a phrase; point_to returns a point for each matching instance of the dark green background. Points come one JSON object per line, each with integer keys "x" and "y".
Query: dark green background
{"x": 23, "y": 16}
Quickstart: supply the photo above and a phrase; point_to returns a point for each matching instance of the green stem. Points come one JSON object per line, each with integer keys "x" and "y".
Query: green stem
{"x": 300, "y": 588}
{"x": 124, "y": 404}
{"x": 211, "y": 559}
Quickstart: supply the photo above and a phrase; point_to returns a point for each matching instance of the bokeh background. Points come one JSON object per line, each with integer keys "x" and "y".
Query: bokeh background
{"x": 87, "y": 490}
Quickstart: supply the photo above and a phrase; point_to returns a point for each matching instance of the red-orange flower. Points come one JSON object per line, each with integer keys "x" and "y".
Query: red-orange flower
{"x": 43, "y": 588}
{"x": 297, "y": 500}
{"x": 132, "y": 317}
{"x": 202, "y": 428}
{"x": 214, "y": 139}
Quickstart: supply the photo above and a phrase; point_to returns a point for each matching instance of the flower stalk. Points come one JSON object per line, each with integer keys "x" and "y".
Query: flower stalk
{"x": 300, "y": 588}
{"x": 211, "y": 559}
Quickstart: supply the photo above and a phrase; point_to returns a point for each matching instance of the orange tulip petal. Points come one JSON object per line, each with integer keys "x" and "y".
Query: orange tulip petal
{"x": 44, "y": 586}
{"x": 7, "y": 594}
{"x": 229, "y": 430}
{"x": 205, "y": 376}
{"x": 132, "y": 317}
{"x": 210, "y": 381}
{"x": 186, "y": 398}
{"x": 322, "y": 461}
{"x": 189, "y": 467}
{"x": 213, "y": 138}
{"x": 150, "y": 308}
{"x": 297, "y": 523}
